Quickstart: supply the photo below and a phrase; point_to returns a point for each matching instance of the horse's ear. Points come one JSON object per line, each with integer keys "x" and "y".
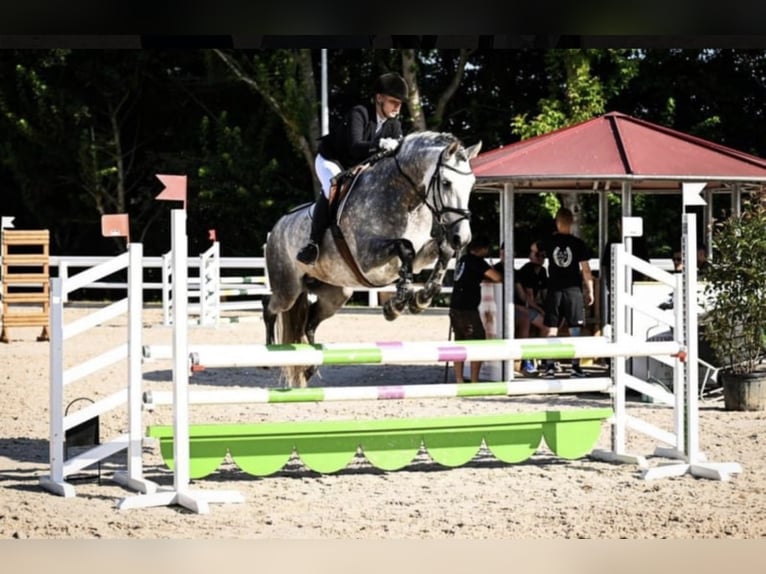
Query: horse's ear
{"x": 474, "y": 150}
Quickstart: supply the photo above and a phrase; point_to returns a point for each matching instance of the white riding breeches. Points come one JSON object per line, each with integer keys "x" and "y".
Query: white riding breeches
{"x": 325, "y": 169}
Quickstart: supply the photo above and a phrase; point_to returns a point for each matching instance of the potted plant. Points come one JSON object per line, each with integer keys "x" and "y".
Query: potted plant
{"x": 735, "y": 319}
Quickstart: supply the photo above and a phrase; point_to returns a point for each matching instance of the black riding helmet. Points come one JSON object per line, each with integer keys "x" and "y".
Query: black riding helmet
{"x": 393, "y": 85}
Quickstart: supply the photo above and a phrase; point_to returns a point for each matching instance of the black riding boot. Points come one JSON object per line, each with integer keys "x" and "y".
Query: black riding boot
{"x": 309, "y": 254}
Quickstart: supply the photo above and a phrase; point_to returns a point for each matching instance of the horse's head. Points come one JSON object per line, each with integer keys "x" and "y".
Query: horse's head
{"x": 449, "y": 191}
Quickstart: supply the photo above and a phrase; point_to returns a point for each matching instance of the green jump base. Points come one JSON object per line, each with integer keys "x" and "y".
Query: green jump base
{"x": 390, "y": 444}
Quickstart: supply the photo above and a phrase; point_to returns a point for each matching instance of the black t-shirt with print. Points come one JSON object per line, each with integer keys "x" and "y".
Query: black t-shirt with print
{"x": 565, "y": 252}
{"x": 466, "y": 289}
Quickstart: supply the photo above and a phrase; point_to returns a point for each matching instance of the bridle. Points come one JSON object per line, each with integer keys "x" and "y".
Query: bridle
{"x": 433, "y": 195}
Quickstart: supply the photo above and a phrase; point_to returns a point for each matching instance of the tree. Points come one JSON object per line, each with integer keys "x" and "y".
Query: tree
{"x": 284, "y": 79}
{"x": 66, "y": 142}
{"x": 580, "y": 84}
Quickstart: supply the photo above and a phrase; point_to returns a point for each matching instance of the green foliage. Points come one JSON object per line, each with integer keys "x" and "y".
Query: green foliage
{"x": 580, "y": 82}
{"x": 243, "y": 188}
{"x": 85, "y": 132}
{"x": 736, "y": 289}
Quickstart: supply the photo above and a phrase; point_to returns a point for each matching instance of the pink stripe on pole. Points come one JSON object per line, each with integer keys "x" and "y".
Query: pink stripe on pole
{"x": 391, "y": 392}
{"x": 390, "y": 344}
{"x": 454, "y": 353}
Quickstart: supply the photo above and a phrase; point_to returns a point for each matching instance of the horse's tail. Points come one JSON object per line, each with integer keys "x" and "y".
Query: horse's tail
{"x": 293, "y": 330}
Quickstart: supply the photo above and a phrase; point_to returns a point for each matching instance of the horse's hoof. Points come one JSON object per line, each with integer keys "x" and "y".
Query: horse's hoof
{"x": 415, "y": 308}
{"x": 419, "y": 302}
{"x": 389, "y": 312}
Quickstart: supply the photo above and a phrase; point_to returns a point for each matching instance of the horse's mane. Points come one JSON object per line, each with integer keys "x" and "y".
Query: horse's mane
{"x": 426, "y": 139}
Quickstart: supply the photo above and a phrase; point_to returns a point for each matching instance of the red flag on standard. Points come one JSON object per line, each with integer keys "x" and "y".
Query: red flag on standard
{"x": 115, "y": 225}
{"x": 175, "y": 188}
{"x": 211, "y": 235}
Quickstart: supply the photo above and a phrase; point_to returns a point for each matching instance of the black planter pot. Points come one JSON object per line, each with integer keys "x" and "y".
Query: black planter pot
{"x": 744, "y": 392}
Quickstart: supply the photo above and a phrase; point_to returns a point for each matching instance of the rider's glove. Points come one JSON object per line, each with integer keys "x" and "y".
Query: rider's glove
{"x": 388, "y": 144}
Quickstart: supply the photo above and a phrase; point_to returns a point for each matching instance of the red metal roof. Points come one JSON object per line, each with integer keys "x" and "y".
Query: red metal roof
{"x": 616, "y": 146}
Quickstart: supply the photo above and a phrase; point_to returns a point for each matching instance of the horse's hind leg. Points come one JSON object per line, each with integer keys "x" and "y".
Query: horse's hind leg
{"x": 270, "y": 320}
{"x": 330, "y": 298}
{"x": 281, "y": 301}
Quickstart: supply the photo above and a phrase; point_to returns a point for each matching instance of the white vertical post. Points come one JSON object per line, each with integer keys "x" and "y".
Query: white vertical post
{"x": 210, "y": 286}
{"x": 627, "y": 211}
{"x": 205, "y": 287}
{"x": 619, "y": 302}
{"x": 133, "y": 477}
{"x": 686, "y": 332}
{"x": 64, "y": 275}
{"x": 180, "y": 351}
{"x": 679, "y": 367}
{"x": 181, "y": 494}
{"x": 135, "y": 378}
{"x": 690, "y": 336}
{"x": 619, "y": 335}
{"x": 56, "y": 391}
{"x": 325, "y": 112}
{"x": 736, "y": 202}
{"x": 603, "y": 240}
{"x": 508, "y": 311}
{"x": 167, "y": 289}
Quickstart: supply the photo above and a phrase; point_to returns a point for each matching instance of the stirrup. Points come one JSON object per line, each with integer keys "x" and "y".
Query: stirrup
{"x": 308, "y": 254}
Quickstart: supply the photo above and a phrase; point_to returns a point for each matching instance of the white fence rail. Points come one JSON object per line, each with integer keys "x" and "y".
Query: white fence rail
{"x": 64, "y": 266}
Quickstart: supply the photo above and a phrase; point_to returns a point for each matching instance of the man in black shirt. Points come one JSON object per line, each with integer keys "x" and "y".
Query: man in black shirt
{"x": 470, "y": 270}
{"x": 568, "y": 275}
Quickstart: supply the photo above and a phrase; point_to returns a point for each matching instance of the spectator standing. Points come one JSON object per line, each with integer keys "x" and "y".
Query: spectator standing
{"x": 570, "y": 284}
{"x": 470, "y": 270}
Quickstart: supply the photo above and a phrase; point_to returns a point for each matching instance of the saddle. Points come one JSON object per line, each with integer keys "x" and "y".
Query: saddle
{"x": 340, "y": 186}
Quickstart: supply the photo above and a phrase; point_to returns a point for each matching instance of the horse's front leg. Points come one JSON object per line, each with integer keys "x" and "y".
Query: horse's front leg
{"x": 423, "y": 298}
{"x": 403, "y": 249}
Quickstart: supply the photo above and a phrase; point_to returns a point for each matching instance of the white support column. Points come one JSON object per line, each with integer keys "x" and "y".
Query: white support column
{"x": 64, "y": 275}
{"x": 55, "y": 481}
{"x": 695, "y": 462}
{"x": 620, "y": 272}
{"x": 180, "y": 494}
{"x": 167, "y": 289}
{"x": 210, "y": 286}
{"x": 508, "y": 312}
{"x": 133, "y": 478}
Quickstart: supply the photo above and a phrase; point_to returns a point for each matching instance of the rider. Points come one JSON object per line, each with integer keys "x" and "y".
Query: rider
{"x": 366, "y": 130}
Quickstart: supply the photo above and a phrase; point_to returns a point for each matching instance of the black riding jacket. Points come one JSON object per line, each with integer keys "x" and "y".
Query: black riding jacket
{"x": 355, "y": 139}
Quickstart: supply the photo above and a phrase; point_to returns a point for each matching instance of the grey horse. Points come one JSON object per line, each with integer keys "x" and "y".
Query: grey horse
{"x": 405, "y": 211}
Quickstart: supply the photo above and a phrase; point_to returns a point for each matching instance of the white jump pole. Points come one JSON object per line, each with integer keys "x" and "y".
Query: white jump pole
{"x": 404, "y": 352}
{"x": 387, "y": 392}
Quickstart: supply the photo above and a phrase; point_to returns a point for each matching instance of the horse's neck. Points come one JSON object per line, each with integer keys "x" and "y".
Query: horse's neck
{"x": 403, "y": 187}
